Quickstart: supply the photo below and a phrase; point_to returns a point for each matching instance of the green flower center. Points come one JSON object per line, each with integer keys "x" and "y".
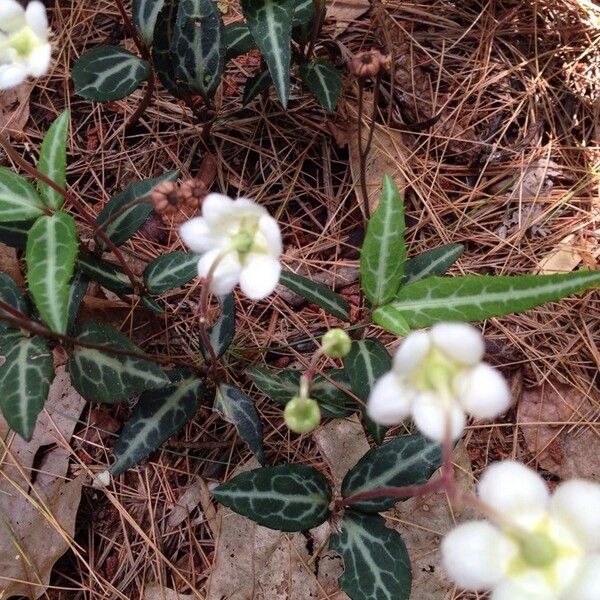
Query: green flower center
{"x": 24, "y": 42}
{"x": 242, "y": 241}
{"x": 436, "y": 374}
{"x": 538, "y": 550}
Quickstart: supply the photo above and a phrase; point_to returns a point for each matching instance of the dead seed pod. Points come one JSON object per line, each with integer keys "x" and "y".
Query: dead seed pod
{"x": 368, "y": 63}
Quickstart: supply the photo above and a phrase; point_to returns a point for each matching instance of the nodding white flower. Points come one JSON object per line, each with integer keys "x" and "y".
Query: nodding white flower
{"x": 239, "y": 242}
{"x": 24, "y": 47}
{"x": 542, "y": 548}
{"x": 437, "y": 377}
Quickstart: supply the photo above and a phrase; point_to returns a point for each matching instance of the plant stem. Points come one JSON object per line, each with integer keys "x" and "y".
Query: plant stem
{"x": 316, "y": 27}
{"x": 145, "y": 102}
{"x": 362, "y": 161}
{"x": 139, "y": 44}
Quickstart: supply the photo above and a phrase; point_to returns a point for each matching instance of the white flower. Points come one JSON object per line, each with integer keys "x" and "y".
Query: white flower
{"x": 548, "y": 547}
{"x": 244, "y": 241}
{"x": 24, "y": 47}
{"x": 437, "y": 377}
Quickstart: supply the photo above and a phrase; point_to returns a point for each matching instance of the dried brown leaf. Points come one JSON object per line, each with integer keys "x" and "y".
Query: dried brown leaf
{"x": 14, "y": 109}
{"x": 345, "y": 12}
{"x": 157, "y": 592}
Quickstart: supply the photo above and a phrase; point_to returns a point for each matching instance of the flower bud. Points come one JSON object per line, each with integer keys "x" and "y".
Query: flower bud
{"x": 336, "y": 343}
{"x": 368, "y": 63}
{"x": 302, "y": 415}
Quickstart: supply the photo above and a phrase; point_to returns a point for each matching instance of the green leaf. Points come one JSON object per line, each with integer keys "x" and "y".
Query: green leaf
{"x": 405, "y": 460}
{"x": 478, "y": 297}
{"x": 11, "y": 293}
{"x": 128, "y": 222}
{"x": 270, "y": 23}
{"x": 50, "y": 255}
{"x": 281, "y": 386}
{"x": 144, "y": 14}
{"x": 102, "y": 375}
{"x": 376, "y": 562}
{"x": 286, "y": 497}
{"x": 108, "y": 73}
{"x": 238, "y": 40}
{"x": 14, "y": 234}
{"x": 256, "y": 85}
{"x": 391, "y": 320}
{"x": 366, "y": 362}
{"x": 157, "y": 416}
{"x": 105, "y": 273}
{"x": 77, "y": 290}
{"x": 53, "y": 160}
{"x": 25, "y": 377}
{"x": 383, "y": 252}
{"x": 221, "y": 333}
{"x": 198, "y": 44}
{"x": 151, "y": 304}
{"x": 302, "y": 19}
{"x": 432, "y": 262}
{"x": 18, "y": 199}
{"x": 324, "y": 81}
{"x": 165, "y": 61}
{"x": 236, "y": 408}
{"x": 170, "y": 271}
{"x": 317, "y": 294}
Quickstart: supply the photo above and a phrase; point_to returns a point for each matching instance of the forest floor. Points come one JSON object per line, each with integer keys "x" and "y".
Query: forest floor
{"x": 510, "y": 167}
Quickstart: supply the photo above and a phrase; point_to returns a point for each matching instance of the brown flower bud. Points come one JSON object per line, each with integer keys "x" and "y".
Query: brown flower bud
{"x": 368, "y": 63}
{"x": 165, "y": 197}
{"x": 191, "y": 192}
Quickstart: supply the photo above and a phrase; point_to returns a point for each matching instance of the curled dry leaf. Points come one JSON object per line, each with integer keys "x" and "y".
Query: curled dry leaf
{"x": 38, "y": 506}
{"x": 559, "y": 425}
{"x": 14, "y": 109}
{"x": 344, "y": 12}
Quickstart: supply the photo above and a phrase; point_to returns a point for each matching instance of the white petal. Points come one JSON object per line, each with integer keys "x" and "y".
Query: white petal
{"x": 430, "y": 416}
{"x": 460, "y": 342}
{"x": 35, "y": 15}
{"x": 197, "y": 236}
{"x": 483, "y": 392}
{"x": 12, "y": 15}
{"x": 11, "y": 76}
{"x": 227, "y": 272}
{"x": 475, "y": 555}
{"x": 249, "y": 208}
{"x": 586, "y": 585}
{"x": 508, "y": 590}
{"x": 260, "y": 276}
{"x": 215, "y": 207}
{"x": 577, "y": 504}
{"x": 39, "y": 60}
{"x": 269, "y": 227}
{"x": 389, "y": 402}
{"x": 513, "y": 489}
{"x": 411, "y": 352}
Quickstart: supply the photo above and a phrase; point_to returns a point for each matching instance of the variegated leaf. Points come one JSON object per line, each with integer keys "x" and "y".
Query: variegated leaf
{"x": 256, "y": 85}
{"x": 432, "y": 262}
{"x": 376, "y": 562}
{"x": 53, "y": 160}
{"x": 11, "y": 293}
{"x": 391, "y": 320}
{"x": 105, "y": 376}
{"x": 222, "y": 332}
{"x": 18, "y": 199}
{"x": 270, "y": 23}
{"x": 239, "y": 410}
{"x": 25, "y": 377}
{"x": 14, "y": 234}
{"x": 144, "y": 14}
{"x": 77, "y": 289}
{"x": 170, "y": 271}
{"x": 157, "y": 416}
{"x": 51, "y": 253}
{"x": 405, "y": 460}
{"x": 324, "y": 81}
{"x": 105, "y": 273}
{"x": 286, "y": 497}
{"x": 238, "y": 40}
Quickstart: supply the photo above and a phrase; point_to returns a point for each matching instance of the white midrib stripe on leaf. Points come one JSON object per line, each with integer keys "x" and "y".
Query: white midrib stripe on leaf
{"x": 101, "y": 358}
{"x": 22, "y": 389}
{"x": 312, "y": 500}
{"x": 432, "y": 265}
{"x": 276, "y": 49}
{"x": 484, "y": 297}
{"x": 324, "y": 85}
{"x": 368, "y": 366}
{"x": 50, "y": 277}
{"x": 106, "y": 73}
{"x": 17, "y": 200}
{"x": 380, "y": 271}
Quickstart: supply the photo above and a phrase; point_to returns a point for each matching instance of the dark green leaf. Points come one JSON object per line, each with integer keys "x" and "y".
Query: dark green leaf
{"x": 324, "y": 81}
{"x": 128, "y": 222}
{"x": 405, "y": 460}
{"x": 432, "y": 262}
{"x": 170, "y": 271}
{"x": 366, "y": 362}
{"x": 25, "y": 377}
{"x": 236, "y": 408}
{"x": 108, "y": 73}
{"x": 238, "y": 40}
{"x": 478, "y": 297}
{"x": 165, "y": 61}
{"x": 151, "y": 304}
{"x": 383, "y": 252}
{"x": 104, "y": 376}
{"x": 198, "y": 46}
{"x": 105, "y": 273}
{"x": 317, "y": 294}
{"x": 391, "y": 320}
{"x": 281, "y": 386}
{"x": 11, "y": 293}
{"x": 144, "y": 16}
{"x": 270, "y": 23}
{"x": 286, "y": 497}
{"x": 302, "y": 19}
{"x": 376, "y": 563}
{"x": 77, "y": 289}
{"x": 222, "y": 332}
{"x": 256, "y": 85}
{"x": 18, "y": 199}
{"x": 14, "y": 234}
{"x": 53, "y": 160}
{"x": 51, "y": 253}
{"x": 157, "y": 416}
